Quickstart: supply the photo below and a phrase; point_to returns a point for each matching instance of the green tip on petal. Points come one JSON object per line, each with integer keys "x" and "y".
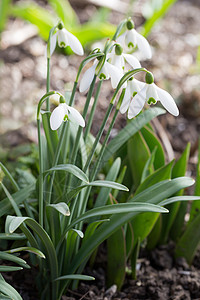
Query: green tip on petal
{"x": 130, "y": 24}
{"x": 151, "y": 101}
{"x": 60, "y": 25}
{"x": 149, "y": 78}
{"x": 62, "y": 99}
{"x": 134, "y": 93}
{"x": 102, "y": 76}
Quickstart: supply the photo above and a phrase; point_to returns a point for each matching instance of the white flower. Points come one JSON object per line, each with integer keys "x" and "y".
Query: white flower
{"x": 63, "y": 112}
{"x": 65, "y": 38}
{"x": 107, "y": 71}
{"x": 133, "y": 87}
{"x": 119, "y": 60}
{"x": 151, "y": 93}
{"x": 131, "y": 38}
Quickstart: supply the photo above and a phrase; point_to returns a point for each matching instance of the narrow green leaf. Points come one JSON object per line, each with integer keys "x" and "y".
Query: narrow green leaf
{"x": 4, "y": 11}
{"x": 130, "y": 129}
{"x": 74, "y": 170}
{"x": 138, "y": 154}
{"x": 154, "y": 194}
{"x": 8, "y": 290}
{"x": 149, "y": 166}
{"x": 78, "y": 232}
{"x": 111, "y": 176}
{"x": 7, "y": 173}
{"x": 149, "y": 24}
{"x": 13, "y": 258}
{"x": 179, "y": 198}
{"x": 61, "y": 207}
{"x": 13, "y": 236}
{"x": 19, "y": 197}
{"x": 75, "y": 277}
{"x": 28, "y": 249}
{"x": 116, "y": 259}
{"x": 10, "y": 268}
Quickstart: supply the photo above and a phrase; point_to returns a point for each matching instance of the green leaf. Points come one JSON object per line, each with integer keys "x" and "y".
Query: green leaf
{"x": 152, "y": 142}
{"x": 12, "y": 201}
{"x": 101, "y": 183}
{"x": 129, "y": 130}
{"x": 19, "y": 197}
{"x": 10, "y": 268}
{"x": 7, "y": 173}
{"x": 65, "y": 12}
{"x": 4, "y": 11}
{"x": 8, "y": 290}
{"x": 111, "y": 176}
{"x": 138, "y": 154}
{"x": 28, "y": 249}
{"x": 36, "y": 15}
{"x": 154, "y": 194}
{"x": 188, "y": 243}
{"x": 74, "y": 170}
{"x": 116, "y": 259}
{"x": 150, "y": 23}
{"x": 172, "y": 223}
{"x": 195, "y": 207}
{"x": 13, "y": 258}
{"x": 149, "y": 166}
{"x": 61, "y": 207}
{"x": 49, "y": 250}
{"x": 75, "y": 277}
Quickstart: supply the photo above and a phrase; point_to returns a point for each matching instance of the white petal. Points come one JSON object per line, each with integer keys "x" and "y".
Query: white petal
{"x": 143, "y": 46}
{"x": 132, "y": 60}
{"x": 137, "y": 103}
{"x": 121, "y": 39}
{"x": 63, "y": 38}
{"x": 53, "y": 43}
{"x": 76, "y": 116}
{"x": 131, "y": 38}
{"x": 167, "y": 101}
{"x": 115, "y": 74}
{"x": 57, "y": 116}
{"x": 117, "y": 61}
{"x": 152, "y": 92}
{"x": 87, "y": 79}
{"x": 127, "y": 98}
{"x": 74, "y": 43}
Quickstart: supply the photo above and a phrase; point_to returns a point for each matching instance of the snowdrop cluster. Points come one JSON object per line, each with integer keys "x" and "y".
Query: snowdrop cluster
{"x": 118, "y": 56}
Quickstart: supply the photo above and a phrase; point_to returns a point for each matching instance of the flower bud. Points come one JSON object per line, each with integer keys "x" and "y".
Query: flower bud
{"x": 130, "y": 24}
{"x": 118, "y": 49}
{"x": 62, "y": 99}
{"x": 149, "y": 78}
{"x": 60, "y": 25}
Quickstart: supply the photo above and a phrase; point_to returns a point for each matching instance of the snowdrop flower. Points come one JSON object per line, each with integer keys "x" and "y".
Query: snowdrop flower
{"x": 107, "y": 71}
{"x": 151, "y": 93}
{"x": 64, "y": 112}
{"x": 133, "y": 87}
{"x": 118, "y": 58}
{"x": 65, "y": 38}
{"x": 132, "y": 39}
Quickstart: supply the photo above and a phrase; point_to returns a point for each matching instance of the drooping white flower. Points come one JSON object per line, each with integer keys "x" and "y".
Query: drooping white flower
{"x": 133, "y": 87}
{"x": 151, "y": 93}
{"x": 64, "y": 112}
{"x": 132, "y": 39}
{"x": 64, "y": 39}
{"x": 118, "y": 58}
{"x": 108, "y": 71}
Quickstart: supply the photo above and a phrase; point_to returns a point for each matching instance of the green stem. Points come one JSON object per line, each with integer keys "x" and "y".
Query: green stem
{"x": 91, "y": 116}
{"x": 88, "y": 162}
{"x": 78, "y": 135}
{"x": 41, "y": 204}
{"x": 48, "y": 83}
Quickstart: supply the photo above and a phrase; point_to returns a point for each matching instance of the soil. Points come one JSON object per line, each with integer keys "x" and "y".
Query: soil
{"x": 22, "y": 80}
{"x": 159, "y": 277}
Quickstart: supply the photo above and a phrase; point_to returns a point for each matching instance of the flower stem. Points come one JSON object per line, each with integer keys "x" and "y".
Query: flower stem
{"x": 91, "y": 116}
{"x": 48, "y": 83}
{"x": 78, "y": 135}
{"x": 41, "y": 204}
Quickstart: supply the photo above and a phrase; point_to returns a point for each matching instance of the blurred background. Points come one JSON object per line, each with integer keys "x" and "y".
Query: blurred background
{"x": 172, "y": 28}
